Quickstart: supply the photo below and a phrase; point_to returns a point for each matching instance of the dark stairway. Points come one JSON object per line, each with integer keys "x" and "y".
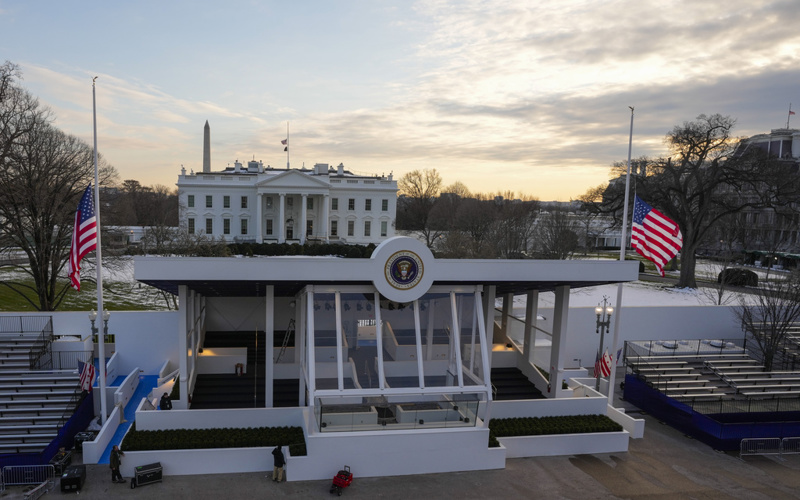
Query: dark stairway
{"x": 511, "y": 383}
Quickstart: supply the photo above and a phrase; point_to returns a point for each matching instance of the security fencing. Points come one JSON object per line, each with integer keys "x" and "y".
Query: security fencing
{"x": 20, "y": 475}
{"x": 769, "y": 446}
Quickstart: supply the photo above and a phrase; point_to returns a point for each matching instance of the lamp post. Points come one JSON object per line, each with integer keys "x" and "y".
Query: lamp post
{"x": 102, "y": 355}
{"x": 603, "y": 313}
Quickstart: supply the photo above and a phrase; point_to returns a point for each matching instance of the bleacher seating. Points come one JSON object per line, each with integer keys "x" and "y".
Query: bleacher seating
{"x": 32, "y": 403}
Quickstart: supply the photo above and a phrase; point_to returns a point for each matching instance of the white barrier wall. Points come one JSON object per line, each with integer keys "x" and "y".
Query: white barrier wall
{"x": 143, "y": 338}
{"x": 154, "y": 420}
{"x": 644, "y": 323}
{"x": 93, "y": 450}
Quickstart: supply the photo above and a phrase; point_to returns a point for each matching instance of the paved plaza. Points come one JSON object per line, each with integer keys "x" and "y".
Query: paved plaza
{"x": 665, "y": 464}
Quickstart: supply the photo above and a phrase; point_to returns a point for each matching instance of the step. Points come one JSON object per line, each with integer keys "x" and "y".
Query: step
{"x": 25, "y": 428}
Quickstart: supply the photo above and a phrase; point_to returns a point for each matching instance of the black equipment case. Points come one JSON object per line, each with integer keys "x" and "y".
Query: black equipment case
{"x": 146, "y": 474}
{"x": 73, "y": 478}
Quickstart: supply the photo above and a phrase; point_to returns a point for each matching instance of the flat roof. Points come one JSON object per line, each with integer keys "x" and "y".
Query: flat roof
{"x": 249, "y": 276}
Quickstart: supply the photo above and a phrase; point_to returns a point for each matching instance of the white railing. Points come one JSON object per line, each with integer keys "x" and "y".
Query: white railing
{"x": 18, "y": 475}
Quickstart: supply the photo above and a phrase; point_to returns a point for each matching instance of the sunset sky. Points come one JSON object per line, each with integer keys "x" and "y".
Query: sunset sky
{"x": 526, "y": 96}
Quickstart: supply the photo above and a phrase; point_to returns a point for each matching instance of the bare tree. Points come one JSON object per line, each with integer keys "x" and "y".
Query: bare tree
{"x": 703, "y": 181}
{"x": 556, "y": 235}
{"x": 420, "y": 190}
{"x": 768, "y": 321}
{"x": 43, "y": 173}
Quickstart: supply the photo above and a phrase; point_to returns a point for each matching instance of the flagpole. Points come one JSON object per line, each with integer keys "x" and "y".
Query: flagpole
{"x": 622, "y": 247}
{"x": 287, "y": 145}
{"x": 101, "y": 341}
{"x": 789, "y": 115}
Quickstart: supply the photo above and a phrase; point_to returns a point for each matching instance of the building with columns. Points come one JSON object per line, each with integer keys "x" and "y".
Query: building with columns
{"x": 277, "y": 205}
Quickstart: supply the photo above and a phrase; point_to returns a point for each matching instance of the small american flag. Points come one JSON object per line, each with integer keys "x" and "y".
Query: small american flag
{"x": 654, "y": 236}
{"x": 87, "y": 377}
{"x": 84, "y": 237}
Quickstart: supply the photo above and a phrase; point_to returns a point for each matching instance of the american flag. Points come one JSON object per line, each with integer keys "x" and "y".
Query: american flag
{"x": 84, "y": 237}
{"x": 87, "y": 377}
{"x": 602, "y": 364}
{"x": 654, "y": 235}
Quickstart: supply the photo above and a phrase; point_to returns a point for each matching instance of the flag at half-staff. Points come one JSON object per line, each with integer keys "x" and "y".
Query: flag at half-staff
{"x": 654, "y": 236}
{"x": 84, "y": 237}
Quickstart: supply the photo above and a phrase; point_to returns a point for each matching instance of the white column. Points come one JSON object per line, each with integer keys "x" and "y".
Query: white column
{"x": 303, "y": 217}
{"x": 259, "y": 218}
{"x": 281, "y": 231}
{"x": 531, "y": 312}
{"x": 488, "y": 309}
{"x": 184, "y": 323}
{"x": 502, "y": 335}
{"x": 311, "y": 357}
{"x": 269, "y": 360}
{"x": 379, "y": 337}
{"x": 557, "y": 349}
{"x": 322, "y": 230}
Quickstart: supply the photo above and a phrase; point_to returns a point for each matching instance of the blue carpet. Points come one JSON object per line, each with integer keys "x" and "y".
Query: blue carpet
{"x": 146, "y": 384}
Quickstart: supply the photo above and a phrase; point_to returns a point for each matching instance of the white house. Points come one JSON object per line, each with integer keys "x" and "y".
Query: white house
{"x": 265, "y": 204}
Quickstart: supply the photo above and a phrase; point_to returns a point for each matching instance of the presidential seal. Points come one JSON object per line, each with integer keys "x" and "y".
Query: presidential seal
{"x": 403, "y": 270}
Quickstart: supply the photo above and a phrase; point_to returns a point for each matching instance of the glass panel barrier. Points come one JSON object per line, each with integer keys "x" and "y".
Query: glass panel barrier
{"x": 398, "y": 413}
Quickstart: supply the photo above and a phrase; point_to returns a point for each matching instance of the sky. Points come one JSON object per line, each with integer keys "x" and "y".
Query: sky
{"x": 502, "y": 95}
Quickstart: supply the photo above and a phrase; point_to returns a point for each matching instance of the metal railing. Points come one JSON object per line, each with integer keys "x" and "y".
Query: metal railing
{"x": 40, "y": 357}
{"x": 769, "y": 446}
{"x": 25, "y": 324}
{"x": 20, "y": 475}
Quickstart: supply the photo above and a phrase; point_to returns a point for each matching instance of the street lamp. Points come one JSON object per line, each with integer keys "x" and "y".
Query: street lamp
{"x": 93, "y": 317}
{"x": 603, "y": 313}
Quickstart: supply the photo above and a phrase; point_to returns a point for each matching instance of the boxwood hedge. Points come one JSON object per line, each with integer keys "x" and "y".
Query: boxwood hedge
{"x": 188, "y": 439}
{"x": 538, "y": 426}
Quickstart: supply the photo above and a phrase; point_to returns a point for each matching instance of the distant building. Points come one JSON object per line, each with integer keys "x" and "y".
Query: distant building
{"x": 265, "y": 204}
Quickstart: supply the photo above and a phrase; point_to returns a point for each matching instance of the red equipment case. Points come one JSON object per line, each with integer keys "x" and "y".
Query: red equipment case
{"x": 342, "y": 480}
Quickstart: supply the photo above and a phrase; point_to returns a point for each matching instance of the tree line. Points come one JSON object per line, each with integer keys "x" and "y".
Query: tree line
{"x": 456, "y": 223}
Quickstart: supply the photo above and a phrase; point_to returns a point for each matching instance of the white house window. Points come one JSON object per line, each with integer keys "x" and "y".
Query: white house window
{"x": 384, "y": 227}
{"x": 351, "y": 204}
{"x": 384, "y": 205}
{"x": 334, "y": 203}
{"x": 310, "y": 203}
{"x": 269, "y": 227}
{"x": 269, "y": 202}
{"x": 226, "y": 226}
{"x": 351, "y": 227}
{"x": 309, "y": 227}
{"x": 244, "y": 227}
{"x": 209, "y": 201}
{"x": 226, "y": 201}
{"x": 209, "y": 226}
{"x": 190, "y": 226}
{"x": 289, "y": 201}
{"x": 334, "y": 228}
{"x": 244, "y": 201}
{"x": 367, "y": 227}
{"x": 368, "y": 204}
{"x": 190, "y": 201}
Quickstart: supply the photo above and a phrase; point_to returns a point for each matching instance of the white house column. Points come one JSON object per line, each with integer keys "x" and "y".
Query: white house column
{"x": 322, "y": 229}
{"x": 281, "y": 232}
{"x": 259, "y": 218}
{"x": 303, "y": 217}
{"x": 560, "y": 314}
{"x": 531, "y": 312}
{"x": 270, "y": 347}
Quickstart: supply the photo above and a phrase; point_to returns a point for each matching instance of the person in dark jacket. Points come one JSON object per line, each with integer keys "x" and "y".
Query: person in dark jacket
{"x": 165, "y": 403}
{"x": 114, "y": 462}
{"x": 279, "y": 462}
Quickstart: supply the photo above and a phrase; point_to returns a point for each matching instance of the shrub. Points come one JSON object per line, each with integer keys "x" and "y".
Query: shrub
{"x": 539, "y": 426}
{"x": 736, "y": 276}
{"x": 189, "y": 439}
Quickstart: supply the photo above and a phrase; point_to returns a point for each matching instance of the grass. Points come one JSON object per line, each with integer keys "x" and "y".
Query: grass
{"x": 117, "y": 296}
